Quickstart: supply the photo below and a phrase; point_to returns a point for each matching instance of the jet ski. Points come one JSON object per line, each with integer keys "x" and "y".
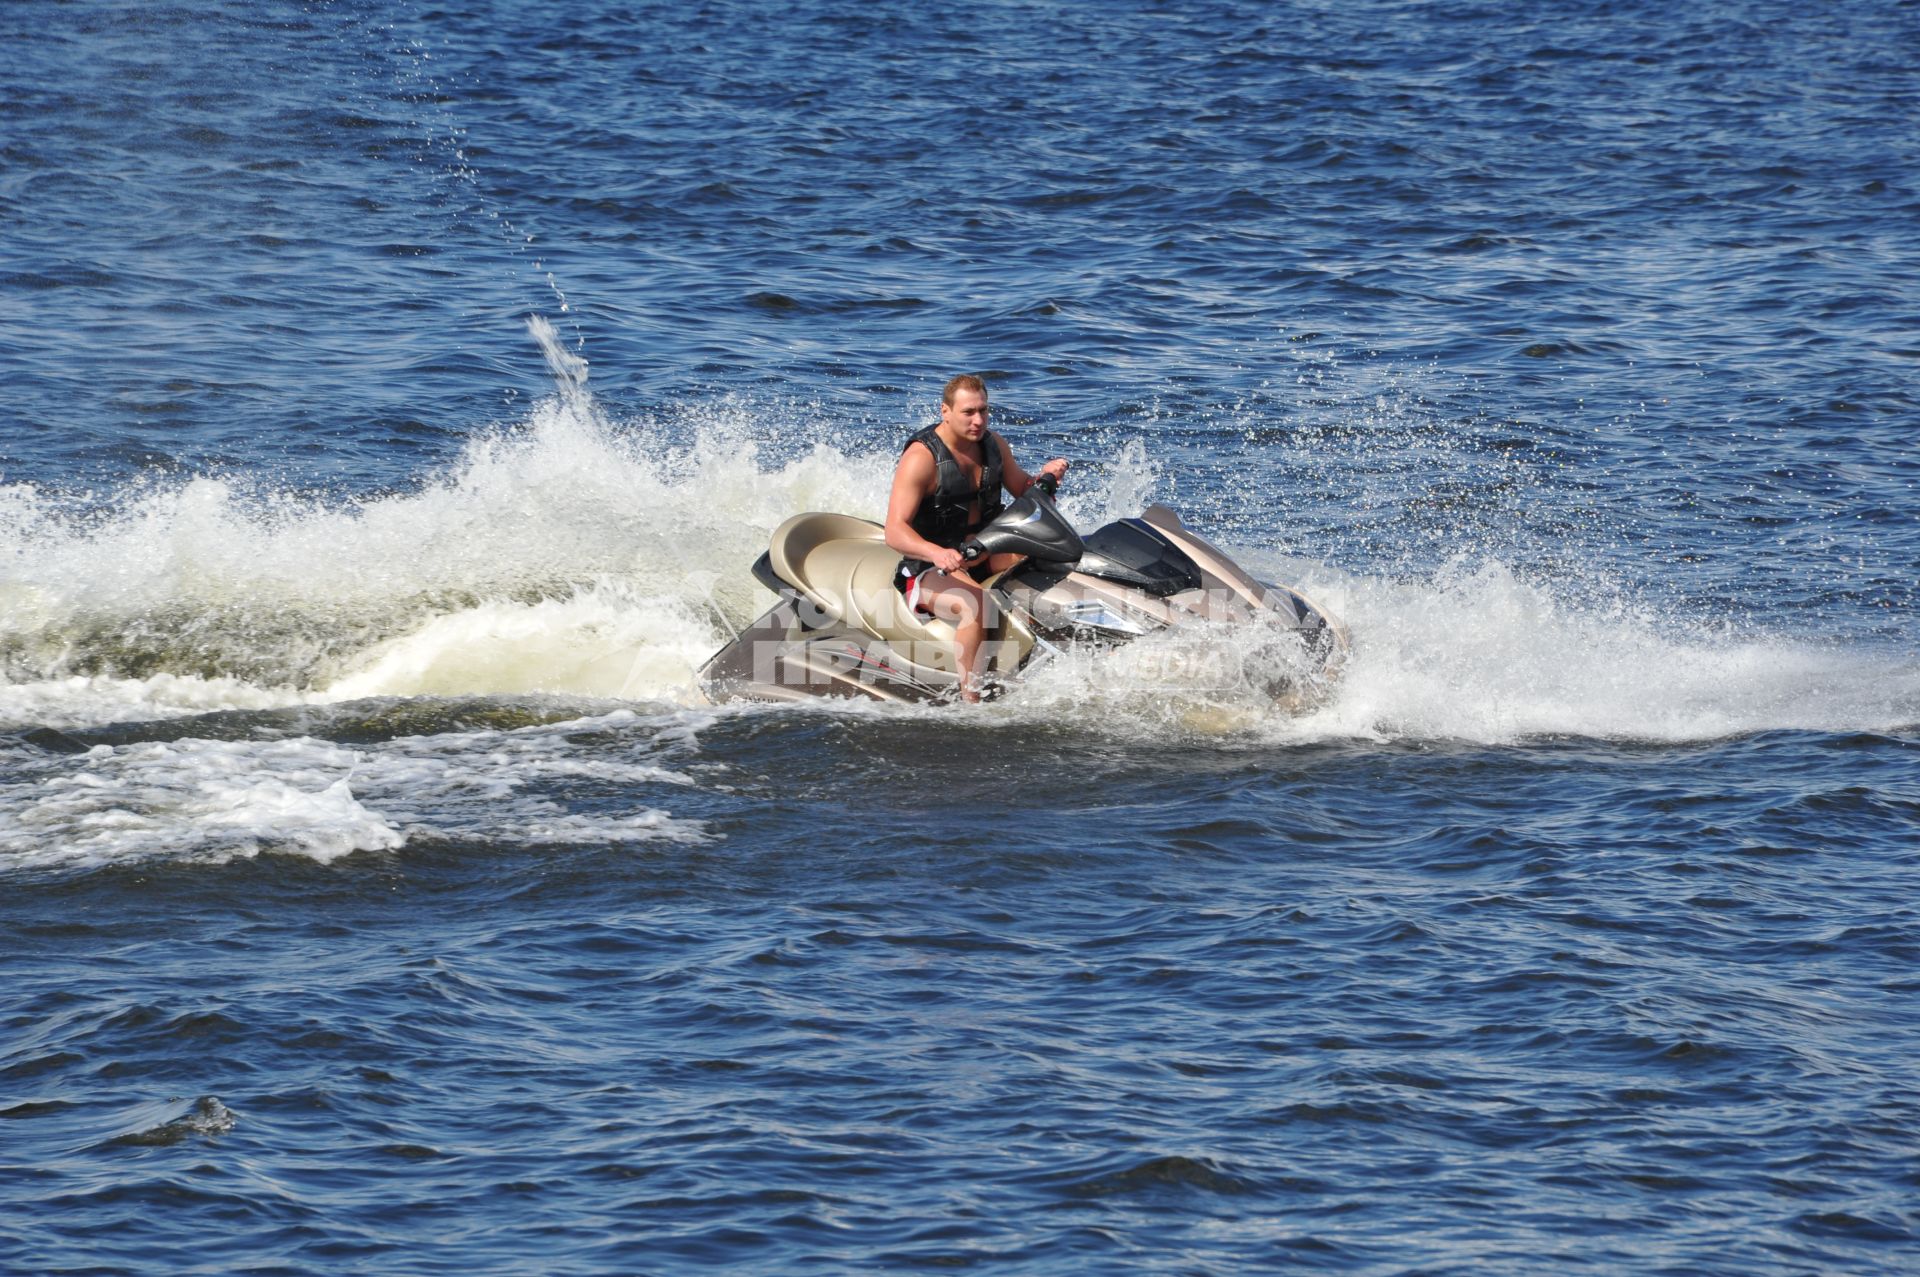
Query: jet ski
{"x": 840, "y": 628}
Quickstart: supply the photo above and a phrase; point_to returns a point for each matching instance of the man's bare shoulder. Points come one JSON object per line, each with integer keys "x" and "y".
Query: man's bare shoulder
{"x": 916, "y": 463}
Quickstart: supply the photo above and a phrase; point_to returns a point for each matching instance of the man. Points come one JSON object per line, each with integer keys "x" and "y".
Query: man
{"x": 948, "y": 485}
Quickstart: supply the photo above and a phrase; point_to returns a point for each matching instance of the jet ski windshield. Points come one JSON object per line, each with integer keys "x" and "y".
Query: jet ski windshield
{"x": 1131, "y": 551}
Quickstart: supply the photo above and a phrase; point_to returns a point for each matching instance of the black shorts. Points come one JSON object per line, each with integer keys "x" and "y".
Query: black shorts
{"x": 906, "y": 579}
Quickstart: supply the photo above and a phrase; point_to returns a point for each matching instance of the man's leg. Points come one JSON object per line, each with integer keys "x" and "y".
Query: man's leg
{"x": 958, "y": 601}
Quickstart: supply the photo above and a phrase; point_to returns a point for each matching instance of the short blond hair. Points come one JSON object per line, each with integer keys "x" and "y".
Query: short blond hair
{"x": 965, "y": 381}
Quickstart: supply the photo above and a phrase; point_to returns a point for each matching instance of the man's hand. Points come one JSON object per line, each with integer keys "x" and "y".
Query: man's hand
{"x": 1056, "y": 467}
{"x": 948, "y": 560}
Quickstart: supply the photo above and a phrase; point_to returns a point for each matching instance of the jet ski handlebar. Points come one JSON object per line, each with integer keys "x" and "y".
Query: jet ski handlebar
{"x": 1032, "y": 525}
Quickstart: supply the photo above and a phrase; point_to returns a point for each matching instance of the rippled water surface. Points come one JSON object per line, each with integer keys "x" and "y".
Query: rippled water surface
{"x": 396, "y": 396}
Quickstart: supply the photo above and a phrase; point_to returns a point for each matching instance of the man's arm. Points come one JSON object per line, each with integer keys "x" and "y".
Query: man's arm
{"x": 1018, "y": 480}
{"x": 912, "y": 481}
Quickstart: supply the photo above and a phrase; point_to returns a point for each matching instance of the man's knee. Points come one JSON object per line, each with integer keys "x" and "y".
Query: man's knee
{"x": 960, "y": 605}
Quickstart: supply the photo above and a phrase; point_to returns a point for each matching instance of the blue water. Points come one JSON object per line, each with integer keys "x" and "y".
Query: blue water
{"x": 393, "y": 398}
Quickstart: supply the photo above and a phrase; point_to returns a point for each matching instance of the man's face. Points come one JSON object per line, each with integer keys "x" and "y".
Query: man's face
{"x": 966, "y": 416}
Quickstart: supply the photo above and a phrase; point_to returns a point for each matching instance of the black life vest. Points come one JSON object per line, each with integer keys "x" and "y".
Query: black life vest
{"x": 942, "y": 518}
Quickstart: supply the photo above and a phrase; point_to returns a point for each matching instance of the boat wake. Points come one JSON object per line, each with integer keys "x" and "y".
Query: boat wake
{"x": 575, "y": 556}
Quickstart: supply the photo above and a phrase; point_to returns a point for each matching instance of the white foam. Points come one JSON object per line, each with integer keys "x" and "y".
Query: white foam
{"x": 199, "y": 800}
{"x": 210, "y": 802}
{"x": 488, "y": 784}
{"x": 1483, "y": 655}
{"x": 569, "y": 554}
{"x": 603, "y": 642}
{"x": 81, "y": 701}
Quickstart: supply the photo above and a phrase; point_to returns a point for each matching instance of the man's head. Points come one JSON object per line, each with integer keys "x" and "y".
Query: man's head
{"x": 965, "y": 381}
{"x": 963, "y": 407}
